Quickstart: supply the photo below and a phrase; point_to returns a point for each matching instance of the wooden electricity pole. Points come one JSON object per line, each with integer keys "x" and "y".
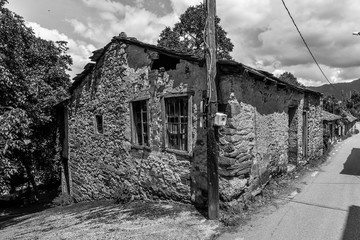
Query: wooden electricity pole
{"x": 212, "y": 152}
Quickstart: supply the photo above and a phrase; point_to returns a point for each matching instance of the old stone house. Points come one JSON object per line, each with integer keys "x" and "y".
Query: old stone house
{"x": 349, "y": 124}
{"x": 136, "y": 121}
{"x": 336, "y": 126}
{"x": 331, "y": 125}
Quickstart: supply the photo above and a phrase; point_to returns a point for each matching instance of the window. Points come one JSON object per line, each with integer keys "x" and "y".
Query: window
{"x": 177, "y": 123}
{"x": 99, "y": 124}
{"x": 140, "y": 129}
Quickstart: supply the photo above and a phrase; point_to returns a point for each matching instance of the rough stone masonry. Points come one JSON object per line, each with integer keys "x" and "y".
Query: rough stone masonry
{"x": 256, "y": 142}
{"x": 105, "y": 154}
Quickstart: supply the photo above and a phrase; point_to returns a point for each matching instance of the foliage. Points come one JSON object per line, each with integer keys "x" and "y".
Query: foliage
{"x": 353, "y": 103}
{"x": 290, "y": 78}
{"x": 332, "y": 105}
{"x": 122, "y": 194}
{"x": 32, "y": 79}
{"x": 63, "y": 199}
{"x": 187, "y": 35}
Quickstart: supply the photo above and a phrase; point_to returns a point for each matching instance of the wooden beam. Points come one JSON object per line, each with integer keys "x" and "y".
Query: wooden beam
{"x": 212, "y": 153}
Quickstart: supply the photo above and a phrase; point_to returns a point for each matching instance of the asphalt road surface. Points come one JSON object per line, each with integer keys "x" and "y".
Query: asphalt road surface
{"x": 326, "y": 207}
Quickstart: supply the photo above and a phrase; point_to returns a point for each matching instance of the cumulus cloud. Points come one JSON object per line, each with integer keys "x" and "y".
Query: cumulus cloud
{"x": 179, "y": 6}
{"x": 264, "y": 33}
{"x": 78, "y": 50}
{"x": 261, "y": 30}
{"x": 309, "y": 82}
{"x": 134, "y": 20}
{"x": 105, "y": 5}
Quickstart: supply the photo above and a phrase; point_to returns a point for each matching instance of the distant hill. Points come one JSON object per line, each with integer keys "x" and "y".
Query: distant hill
{"x": 328, "y": 90}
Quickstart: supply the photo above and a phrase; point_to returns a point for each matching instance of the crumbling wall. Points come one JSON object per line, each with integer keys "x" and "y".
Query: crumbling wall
{"x": 315, "y": 127}
{"x": 254, "y": 143}
{"x": 101, "y": 164}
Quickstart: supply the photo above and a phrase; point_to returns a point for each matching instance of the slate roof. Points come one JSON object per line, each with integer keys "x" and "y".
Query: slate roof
{"x": 129, "y": 40}
{"x": 268, "y": 76}
{"x": 330, "y": 117}
{"x": 350, "y": 117}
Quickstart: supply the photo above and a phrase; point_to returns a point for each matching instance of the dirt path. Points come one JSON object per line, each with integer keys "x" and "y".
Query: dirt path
{"x": 105, "y": 220}
{"x": 326, "y": 204}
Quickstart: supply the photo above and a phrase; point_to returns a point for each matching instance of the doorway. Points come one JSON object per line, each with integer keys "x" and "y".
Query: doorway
{"x": 293, "y": 135}
{"x": 305, "y": 135}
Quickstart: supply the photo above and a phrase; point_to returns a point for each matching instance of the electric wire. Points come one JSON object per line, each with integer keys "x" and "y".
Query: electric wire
{"x": 313, "y": 57}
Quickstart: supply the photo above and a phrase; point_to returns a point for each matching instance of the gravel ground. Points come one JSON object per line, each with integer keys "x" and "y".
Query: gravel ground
{"x": 106, "y": 220}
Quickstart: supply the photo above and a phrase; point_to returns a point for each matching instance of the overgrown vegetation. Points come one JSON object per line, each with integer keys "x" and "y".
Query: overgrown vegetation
{"x": 33, "y": 79}
{"x": 63, "y": 199}
{"x": 187, "y": 35}
{"x": 122, "y": 194}
{"x": 290, "y": 78}
{"x": 349, "y": 104}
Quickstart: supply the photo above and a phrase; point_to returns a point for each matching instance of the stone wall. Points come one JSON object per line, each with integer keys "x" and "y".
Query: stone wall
{"x": 253, "y": 146}
{"x": 315, "y": 127}
{"x": 101, "y": 164}
{"x": 255, "y": 142}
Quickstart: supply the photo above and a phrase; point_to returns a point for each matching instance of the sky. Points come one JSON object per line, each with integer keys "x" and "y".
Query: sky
{"x": 263, "y": 34}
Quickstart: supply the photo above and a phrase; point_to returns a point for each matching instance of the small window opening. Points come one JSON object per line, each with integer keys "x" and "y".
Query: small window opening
{"x": 177, "y": 123}
{"x": 140, "y": 123}
{"x": 99, "y": 122}
{"x": 166, "y": 62}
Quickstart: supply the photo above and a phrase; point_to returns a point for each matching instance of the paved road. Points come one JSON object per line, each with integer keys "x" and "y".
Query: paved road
{"x": 327, "y": 207}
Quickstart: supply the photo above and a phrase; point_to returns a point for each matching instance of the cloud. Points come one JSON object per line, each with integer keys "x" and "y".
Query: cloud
{"x": 310, "y": 82}
{"x": 106, "y": 6}
{"x": 261, "y": 30}
{"x": 78, "y": 50}
{"x": 135, "y": 21}
{"x": 179, "y": 6}
{"x": 264, "y": 33}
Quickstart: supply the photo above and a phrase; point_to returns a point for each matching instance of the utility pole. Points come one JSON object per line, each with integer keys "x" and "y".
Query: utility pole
{"x": 212, "y": 151}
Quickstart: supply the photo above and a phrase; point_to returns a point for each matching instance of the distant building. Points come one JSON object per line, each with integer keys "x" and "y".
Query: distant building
{"x": 331, "y": 124}
{"x": 336, "y": 126}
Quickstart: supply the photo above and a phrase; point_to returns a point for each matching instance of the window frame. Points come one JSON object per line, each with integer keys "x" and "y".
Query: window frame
{"x": 96, "y": 124}
{"x": 134, "y": 138}
{"x": 166, "y": 146}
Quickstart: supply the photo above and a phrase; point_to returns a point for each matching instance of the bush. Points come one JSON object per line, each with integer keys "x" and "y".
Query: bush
{"x": 356, "y": 131}
{"x": 63, "y": 199}
{"x": 122, "y": 194}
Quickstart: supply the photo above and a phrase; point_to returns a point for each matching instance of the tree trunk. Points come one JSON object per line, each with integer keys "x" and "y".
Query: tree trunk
{"x": 31, "y": 179}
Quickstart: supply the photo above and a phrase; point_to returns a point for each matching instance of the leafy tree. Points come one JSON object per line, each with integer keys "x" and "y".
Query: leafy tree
{"x": 355, "y": 96}
{"x": 353, "y": 103}
{"x": 187, "y": 35}
{"x": 290, "y": 78}
{"x": 329, "y": 103}
{"x": 32, "y": 79}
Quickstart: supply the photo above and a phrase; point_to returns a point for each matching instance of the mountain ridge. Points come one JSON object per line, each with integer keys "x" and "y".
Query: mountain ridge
{"x": 339, "y": 90}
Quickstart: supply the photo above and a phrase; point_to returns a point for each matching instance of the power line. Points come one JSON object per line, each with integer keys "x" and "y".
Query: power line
{"x": 306, "y": 44}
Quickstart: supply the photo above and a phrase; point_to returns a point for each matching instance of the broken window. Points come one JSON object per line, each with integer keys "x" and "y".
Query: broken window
{"x": 165, "y": 61}
{"x": 177, "y": 122}
{"x": 99, "y": 124}
{"x": 140, "y": 128}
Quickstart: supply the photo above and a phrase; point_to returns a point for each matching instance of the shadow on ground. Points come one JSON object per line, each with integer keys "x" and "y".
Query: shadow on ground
{"x": 352, "y": 229}
{"x": 97, "y": 211}
{"x": 11, "y": 216}
{"x": 352, "y": 164}
{"x": 107, "y": 211}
